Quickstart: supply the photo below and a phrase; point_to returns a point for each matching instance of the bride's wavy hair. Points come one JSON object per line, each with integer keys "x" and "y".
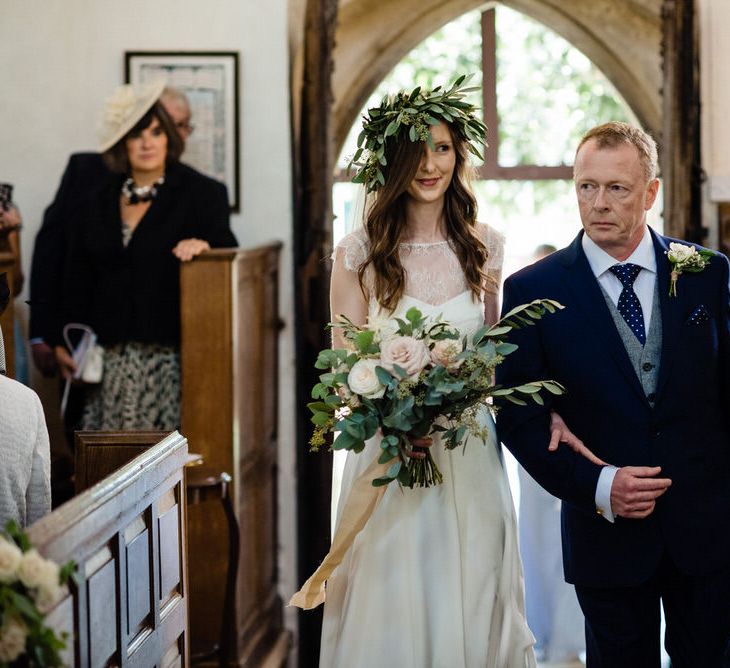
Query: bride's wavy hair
{"x": 385, "y": 222}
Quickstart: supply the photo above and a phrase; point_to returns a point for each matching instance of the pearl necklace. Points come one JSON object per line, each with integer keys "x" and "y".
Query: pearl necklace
{"x": 135, "y": 194}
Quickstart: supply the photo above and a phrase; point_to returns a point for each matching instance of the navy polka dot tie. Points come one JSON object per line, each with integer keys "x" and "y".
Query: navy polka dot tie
{"x": 629, "y": 305}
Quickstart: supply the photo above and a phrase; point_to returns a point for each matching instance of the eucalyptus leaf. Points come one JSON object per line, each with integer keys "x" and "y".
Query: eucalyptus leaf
{"x": 344, "y": 441}
{"x": 528, "y": 388}
{"x": 506, "y": 348}
{"x": 394, "y": 469}
{"x": 320, "y": 419}
{"x": 385, "y": 457}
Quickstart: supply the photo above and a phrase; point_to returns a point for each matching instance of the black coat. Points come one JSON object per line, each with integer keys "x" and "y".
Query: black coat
{"x": 84, "y": 175}
{"x": 133, "y": 293}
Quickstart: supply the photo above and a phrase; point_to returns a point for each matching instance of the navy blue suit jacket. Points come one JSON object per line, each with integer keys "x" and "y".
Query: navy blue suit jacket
{"x": 685, "y": 431}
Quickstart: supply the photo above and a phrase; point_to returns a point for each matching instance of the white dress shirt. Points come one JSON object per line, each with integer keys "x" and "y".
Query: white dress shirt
{"x": 600, "y": 262}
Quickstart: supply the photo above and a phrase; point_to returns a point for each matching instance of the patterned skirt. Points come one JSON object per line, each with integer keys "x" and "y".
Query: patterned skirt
{"x": 140, "y": 389}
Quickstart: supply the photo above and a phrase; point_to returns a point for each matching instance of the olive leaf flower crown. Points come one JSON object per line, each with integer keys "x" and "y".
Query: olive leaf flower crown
{"x": 418, "y": 111}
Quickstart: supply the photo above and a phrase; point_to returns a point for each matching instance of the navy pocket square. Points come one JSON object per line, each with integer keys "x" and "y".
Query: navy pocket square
{"x": 699, "y": 315}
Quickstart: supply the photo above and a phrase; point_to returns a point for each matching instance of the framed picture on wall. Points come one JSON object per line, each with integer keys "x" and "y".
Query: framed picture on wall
{"x": 210, "y": 82}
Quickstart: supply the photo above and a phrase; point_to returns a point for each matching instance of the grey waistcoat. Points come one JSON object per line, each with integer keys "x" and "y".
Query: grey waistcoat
{"x": 645, "y": 359}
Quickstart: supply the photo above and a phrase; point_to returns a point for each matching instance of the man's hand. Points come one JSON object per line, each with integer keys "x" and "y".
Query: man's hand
{"x": 635, "y": 490}
{"x": 43, "y": 358}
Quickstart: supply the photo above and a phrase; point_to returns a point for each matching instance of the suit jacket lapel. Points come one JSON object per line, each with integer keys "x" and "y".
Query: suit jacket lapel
{"x": 671, "y": 312}
{"x": 589, "y": 298}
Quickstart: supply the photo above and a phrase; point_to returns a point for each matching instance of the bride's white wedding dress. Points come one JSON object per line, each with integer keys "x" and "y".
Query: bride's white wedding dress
{"x": 434, "y": 579}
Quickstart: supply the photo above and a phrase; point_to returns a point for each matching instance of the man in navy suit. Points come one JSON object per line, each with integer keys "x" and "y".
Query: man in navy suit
{"x": 647, "y": 377}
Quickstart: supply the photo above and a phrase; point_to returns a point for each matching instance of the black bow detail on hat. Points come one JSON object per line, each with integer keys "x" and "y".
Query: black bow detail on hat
{"x": 4, "y": 292}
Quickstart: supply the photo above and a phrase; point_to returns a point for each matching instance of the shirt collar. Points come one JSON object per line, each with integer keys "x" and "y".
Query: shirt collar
{"x": 600, "y": 261}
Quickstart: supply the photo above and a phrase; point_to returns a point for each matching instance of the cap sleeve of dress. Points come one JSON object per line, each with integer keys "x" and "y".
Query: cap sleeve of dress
{"x": 353, "y": 249}
{"x": 494, "y": 241}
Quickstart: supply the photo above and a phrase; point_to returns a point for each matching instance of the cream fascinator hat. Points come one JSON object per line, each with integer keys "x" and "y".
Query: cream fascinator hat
{"x": 124, "y": 108}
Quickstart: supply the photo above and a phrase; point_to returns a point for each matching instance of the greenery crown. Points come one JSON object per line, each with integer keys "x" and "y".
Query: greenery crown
{"x": 417, "y": 110}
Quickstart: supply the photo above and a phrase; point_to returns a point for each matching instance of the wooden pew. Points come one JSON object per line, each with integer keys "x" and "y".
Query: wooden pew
{"x": 127, "y": 533}
{"x": 101, "y": 453}
{"x": 229, "y": 359}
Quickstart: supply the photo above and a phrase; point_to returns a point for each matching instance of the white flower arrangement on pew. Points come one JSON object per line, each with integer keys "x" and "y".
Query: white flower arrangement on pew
{"x": 30, "y": 586}
{"x": 413, "y": 376}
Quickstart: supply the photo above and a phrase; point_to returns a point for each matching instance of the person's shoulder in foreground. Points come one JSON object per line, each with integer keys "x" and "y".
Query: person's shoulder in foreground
{"x": 25, "y": 492}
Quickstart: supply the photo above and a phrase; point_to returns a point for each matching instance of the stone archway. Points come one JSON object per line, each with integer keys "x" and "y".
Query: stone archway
{"x": 622, "y": 37}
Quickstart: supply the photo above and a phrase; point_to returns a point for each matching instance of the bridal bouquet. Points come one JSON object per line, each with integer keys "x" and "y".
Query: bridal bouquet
{"x": 29, "y": 587}
{"x": 413, "y": 376}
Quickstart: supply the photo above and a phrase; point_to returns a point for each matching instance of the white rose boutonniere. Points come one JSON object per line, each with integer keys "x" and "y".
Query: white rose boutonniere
{"x": 685, "y": 258}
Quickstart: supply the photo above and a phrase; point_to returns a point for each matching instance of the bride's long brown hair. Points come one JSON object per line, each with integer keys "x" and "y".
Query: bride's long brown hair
{"x": 385, "y": 222}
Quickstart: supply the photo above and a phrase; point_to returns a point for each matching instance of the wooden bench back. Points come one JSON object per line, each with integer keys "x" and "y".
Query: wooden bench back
{"x": 127, "y": 605}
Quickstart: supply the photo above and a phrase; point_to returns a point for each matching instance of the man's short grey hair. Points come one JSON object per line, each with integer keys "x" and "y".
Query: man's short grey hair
{"x": 175, "y": 95}
{"x": 615, "y": 133}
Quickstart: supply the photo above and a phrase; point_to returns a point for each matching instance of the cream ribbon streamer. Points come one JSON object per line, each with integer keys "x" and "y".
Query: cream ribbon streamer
{"x": 358, "y": 508}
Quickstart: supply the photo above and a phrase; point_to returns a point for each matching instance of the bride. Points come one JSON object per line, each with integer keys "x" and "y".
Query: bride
{"x": 434, "y": 577}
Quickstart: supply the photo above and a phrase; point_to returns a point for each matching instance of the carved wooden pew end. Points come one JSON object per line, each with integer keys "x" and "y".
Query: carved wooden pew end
{"x": 127, "y": 533}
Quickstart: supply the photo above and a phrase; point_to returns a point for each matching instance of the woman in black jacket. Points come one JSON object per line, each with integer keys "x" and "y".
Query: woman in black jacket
{"x": 124, "y": 252}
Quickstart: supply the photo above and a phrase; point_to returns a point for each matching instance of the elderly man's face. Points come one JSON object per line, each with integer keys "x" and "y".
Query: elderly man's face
{"x": 180, "y": 114}
{"x": 613, "y": 196}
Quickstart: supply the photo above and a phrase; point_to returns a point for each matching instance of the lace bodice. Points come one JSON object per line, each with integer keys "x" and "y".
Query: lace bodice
{"x": 433, "y": 272}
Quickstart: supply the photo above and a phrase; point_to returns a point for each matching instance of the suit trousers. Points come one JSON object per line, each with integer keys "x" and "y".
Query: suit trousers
{"x": 623, "y": 623}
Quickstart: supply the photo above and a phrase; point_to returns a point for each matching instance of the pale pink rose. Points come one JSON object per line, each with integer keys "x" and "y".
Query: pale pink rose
{"x": 445, "y": 352}
{"x": 408, "y": 353}
{"x": 32, "y": 569}
{"x": 10, "y": 556}
{"x": 12, "y": 640}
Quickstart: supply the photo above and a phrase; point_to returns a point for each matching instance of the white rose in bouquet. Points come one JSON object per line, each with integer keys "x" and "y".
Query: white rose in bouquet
{"x": 12, "y": 640}
{"x": 31, "y": 571}
{"x": 10, "y": 557}
{"x": 384, "y": 326}
{"x": 445, "y": 352}
{"x": 408, "y": 353}
{"x": 363, "y": 380}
